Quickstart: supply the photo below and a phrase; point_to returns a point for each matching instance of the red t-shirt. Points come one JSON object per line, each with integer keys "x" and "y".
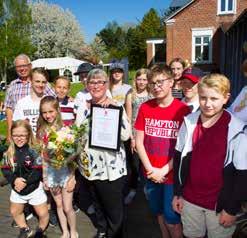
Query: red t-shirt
{"x": 160, "y": 126}
{"x": 205, "y": 178}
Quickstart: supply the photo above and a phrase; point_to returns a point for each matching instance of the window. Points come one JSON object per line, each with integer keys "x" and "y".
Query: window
{"x": 226, "y": 7}
{"x": 158, "y": 54}
{"x": 202, "y": 45}
{"x": 68, "y": 74}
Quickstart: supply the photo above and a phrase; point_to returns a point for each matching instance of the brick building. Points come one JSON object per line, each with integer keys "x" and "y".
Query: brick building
{"x": 196, "y": 31}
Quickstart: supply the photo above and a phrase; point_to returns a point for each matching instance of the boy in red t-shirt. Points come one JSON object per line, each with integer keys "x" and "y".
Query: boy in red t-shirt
{"x": 210, "y": 164}
{"x": 157, "y": 126}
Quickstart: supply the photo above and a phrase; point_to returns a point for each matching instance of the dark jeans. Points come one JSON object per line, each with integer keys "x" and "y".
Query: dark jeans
{"x": 108, "y": 202}
{"x": 133, "y": 166}
{"x": 83, "y": 198}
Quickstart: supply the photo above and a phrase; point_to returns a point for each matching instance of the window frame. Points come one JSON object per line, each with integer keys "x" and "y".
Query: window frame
{"x": 233, "y": 11}
{"x": 202, "y": 32}
{"x": 155, "y": 42}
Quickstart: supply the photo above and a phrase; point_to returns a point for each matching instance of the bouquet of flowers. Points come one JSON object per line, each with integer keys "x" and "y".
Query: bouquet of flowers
{"x": 63, "y": 146}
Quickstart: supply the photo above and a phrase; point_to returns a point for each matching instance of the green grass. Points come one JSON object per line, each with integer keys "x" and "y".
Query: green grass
{"x": 3, "y": 128}
{"x": 75, "y": 88}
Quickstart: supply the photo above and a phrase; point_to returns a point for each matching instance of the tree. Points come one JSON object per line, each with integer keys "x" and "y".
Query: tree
{"x": 114, "y": 37}
{"x": 130, "y": 40}
{"x": 55, "y": 31}
{"x": 15, "y": 23}
{"x": 151, "y": 26}
{"x": 94, "y": 52}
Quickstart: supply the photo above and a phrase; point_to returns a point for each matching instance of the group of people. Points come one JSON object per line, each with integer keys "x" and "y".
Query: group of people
{"x": 176, "y": 135}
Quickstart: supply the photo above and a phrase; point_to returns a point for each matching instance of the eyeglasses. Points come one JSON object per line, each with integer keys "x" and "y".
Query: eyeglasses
{"x": 96, "y": 83}
{"x": 159, "y": 83}
{"x": 22, "y": 66}
{"x": 20, "y": 136}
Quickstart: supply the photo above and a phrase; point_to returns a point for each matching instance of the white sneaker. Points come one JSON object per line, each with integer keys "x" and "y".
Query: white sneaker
{"x": 129, "y": 198}
{"x": 29, "y": 216}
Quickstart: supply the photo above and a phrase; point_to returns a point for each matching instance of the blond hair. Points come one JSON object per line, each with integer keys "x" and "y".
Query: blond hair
{"x": 139, "y": 72}
{"x": 158, "y": 69}
{"x": 63, "y": 78}
{"x": 218, "y": 82}
{"x": 42, "y": 124}
{"x": 10, "y": 153}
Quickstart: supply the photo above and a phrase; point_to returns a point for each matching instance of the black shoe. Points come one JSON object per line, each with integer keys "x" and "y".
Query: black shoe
{"x": 3, "y": 181}
{"x": 100, "y": 235}
{"x": 25, "y": 232}
{"x": 53, "y": 219}
{"x": 76, "y": 209}
{"x": 39, "y": 233}
{"x": 13, "y": 224}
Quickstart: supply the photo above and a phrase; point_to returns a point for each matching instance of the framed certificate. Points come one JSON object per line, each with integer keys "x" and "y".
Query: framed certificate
{"x": 105, "y": 127}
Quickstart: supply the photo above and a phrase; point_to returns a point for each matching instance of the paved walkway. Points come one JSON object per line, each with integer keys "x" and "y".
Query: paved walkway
{"x": 140, "y": 223}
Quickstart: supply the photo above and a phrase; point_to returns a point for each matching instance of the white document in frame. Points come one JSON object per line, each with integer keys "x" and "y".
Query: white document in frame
{"x": 105, "y": 126}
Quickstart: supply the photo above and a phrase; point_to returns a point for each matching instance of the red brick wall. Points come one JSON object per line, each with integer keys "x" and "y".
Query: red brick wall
{"x": 200, "y": 14}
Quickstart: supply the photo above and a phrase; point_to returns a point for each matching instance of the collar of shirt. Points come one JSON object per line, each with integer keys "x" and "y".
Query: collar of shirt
{"x": 65, "y": 100}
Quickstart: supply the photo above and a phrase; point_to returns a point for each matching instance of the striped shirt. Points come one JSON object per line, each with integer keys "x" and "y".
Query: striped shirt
{"x": 177, "y": 93}
{"x": 67, "y": 111}
{"x": 18, "y": 90}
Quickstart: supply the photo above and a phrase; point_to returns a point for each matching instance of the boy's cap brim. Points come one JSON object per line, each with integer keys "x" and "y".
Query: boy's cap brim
{"x": 116, "y": 66}
{"x": 192, "y": 78}
{"x": 193, "y": 74}
{"x": 84, "y": 68}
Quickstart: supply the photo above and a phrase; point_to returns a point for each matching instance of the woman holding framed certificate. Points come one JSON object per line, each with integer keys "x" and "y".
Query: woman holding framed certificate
{"x": 103, "y": 160}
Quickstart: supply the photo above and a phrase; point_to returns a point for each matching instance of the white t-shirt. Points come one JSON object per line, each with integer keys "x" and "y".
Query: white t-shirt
{"x": 194, "y": 106}
{"x": 83, "y": 96}
{"x": 27, "y": 109}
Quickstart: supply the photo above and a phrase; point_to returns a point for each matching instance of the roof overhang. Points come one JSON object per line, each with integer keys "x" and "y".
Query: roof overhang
{"x": 179, "y": 10}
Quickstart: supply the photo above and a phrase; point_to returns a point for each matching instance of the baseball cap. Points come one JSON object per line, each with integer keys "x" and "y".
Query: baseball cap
{"x": 84, "y": 68}
{"x": 193, "y": 74}
{"x": 116, "y": 65}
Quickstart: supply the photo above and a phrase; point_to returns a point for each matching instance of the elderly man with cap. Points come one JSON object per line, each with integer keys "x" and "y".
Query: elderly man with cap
{"x": 190, "y": 79}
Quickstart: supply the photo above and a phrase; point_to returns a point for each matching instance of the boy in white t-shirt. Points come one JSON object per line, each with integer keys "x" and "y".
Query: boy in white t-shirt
{"x": 27, "y": 108}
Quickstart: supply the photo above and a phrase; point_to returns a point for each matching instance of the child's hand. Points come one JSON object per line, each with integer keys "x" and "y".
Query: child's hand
{"x": 107, "y": 102}
{"x": 226, "y": 219}
{"x": 133, "y": 146}
{"x": 178, "y": 204}
{"x": 156, "y": 175}
{"x": 20, "y": 184}
{"x": 71, "y": 184}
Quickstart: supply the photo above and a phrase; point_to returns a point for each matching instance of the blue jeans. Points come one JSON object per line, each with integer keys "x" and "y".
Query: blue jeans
{"x": 160, "y": 201}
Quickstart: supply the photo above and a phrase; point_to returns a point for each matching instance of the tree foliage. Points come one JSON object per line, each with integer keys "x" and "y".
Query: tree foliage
{"x": 130, "y": 40}
{"x": 55, "y": 31}
{"x": 95, "y": 52}
{"x": 15, "y": 24}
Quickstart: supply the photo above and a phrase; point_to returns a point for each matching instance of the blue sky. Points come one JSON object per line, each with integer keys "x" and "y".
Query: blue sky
{"x": 94, "y": 15}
